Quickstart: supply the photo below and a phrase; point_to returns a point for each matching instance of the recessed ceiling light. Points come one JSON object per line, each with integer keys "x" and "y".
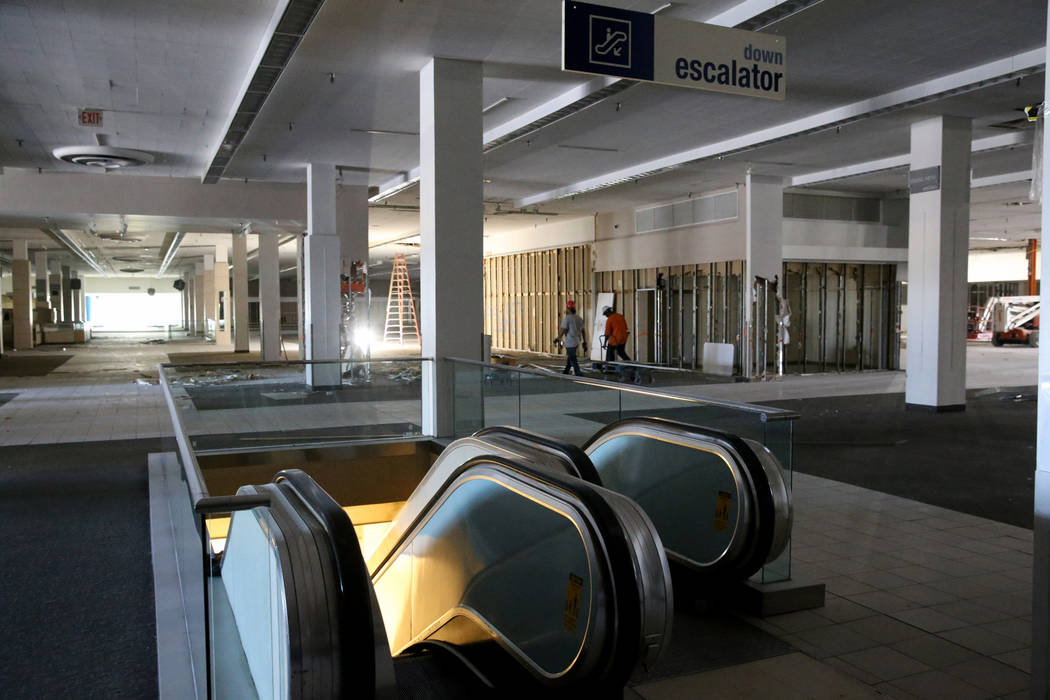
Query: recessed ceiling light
{"x": 1018, "y": 204}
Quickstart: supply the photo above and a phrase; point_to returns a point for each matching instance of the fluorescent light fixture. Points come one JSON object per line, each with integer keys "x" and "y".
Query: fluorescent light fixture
{"x": 385, "y": 132}
{"x": 387, "y": 194}
{"x": 495, "y": 104}
{"x": 589, "y": 148}
{"x": 176, "y": 241}
{"x": 987, "y": 238}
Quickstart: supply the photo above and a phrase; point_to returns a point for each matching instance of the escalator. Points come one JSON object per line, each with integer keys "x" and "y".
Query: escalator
{"x": 499, "y": 577}
{"x": 720, "y": 503}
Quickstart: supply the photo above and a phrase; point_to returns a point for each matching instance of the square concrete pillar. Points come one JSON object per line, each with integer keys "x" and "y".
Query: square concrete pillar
{"x": 221, "y": 286}
{"x": 21, "y": 297}
{"x": 270, "y": 296}
{"x": 210, "y": 298}
{"x": 321, "y": 286}
{"x": 764, "y": 233}
{"x": 938, "y": 252}
{"x": 450, "y": 220}
{"x": 240, "y": 292}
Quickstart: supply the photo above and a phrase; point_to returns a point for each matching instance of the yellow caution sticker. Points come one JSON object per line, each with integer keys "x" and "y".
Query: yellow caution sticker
{"x": 573, "y": 594}
{"x": 722, "y": 511}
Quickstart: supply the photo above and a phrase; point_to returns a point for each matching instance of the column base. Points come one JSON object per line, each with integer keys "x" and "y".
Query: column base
{"x": 922, "y": 408}
{"x": 242, "y": 350}
{"x": 767, "y": 599}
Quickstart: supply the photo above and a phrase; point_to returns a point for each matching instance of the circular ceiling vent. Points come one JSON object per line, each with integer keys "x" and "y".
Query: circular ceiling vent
{"x": 131, "y": 269}
{"x": 130, "y": 258}
{"x": 105, "y": 157}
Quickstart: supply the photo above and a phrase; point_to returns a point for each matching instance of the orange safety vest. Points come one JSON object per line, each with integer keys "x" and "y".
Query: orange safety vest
{"x": 616, "y": 329}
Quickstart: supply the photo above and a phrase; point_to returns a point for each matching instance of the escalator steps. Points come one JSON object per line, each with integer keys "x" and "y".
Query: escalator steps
{"x": 436, "y": 675}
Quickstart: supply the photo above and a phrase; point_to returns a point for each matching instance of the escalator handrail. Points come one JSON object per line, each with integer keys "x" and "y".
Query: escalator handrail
{"x": 620, "y": 649}
{"x": 579, "y": 460}
{"x": 359, "y": 643}
{"x": 753, "y": 470}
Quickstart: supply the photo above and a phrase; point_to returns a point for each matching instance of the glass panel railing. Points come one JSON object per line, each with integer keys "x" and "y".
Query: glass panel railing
{"x": 268, "y": 405}
{"x": 777, "y": 438}
{"x": 575, "y": 408}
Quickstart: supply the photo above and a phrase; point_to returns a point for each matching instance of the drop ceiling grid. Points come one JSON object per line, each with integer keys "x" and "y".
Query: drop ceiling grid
{"x": 876, "y": 59}
{"x": 173, "y": 66}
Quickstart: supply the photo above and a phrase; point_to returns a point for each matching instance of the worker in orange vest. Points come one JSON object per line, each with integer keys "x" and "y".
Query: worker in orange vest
{"x": 615, "y": 335}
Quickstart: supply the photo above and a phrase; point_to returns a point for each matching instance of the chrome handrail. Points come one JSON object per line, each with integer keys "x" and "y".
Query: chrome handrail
{"x": 767, "y": 413}
{"x": 285, "y": 363}
{"x": 190, "y": 467}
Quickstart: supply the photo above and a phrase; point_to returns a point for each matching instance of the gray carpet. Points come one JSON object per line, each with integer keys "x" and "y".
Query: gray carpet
{"x": 76, "y": 580}
{"x": 979, "y": 461}
{"x": 16, "y": 365}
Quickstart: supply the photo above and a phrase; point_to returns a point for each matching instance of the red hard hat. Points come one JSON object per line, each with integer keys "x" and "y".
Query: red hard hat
{"x": 570, "y": 305}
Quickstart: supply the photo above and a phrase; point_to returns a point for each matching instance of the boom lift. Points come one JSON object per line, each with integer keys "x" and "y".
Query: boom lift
{"x": 1013, "y": 320}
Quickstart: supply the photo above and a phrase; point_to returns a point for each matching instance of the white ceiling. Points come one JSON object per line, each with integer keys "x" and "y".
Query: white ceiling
{"x": 168, "y": 75}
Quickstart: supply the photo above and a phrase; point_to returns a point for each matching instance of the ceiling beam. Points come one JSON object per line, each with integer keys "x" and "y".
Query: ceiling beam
{"x": 1001, "y": 179}
{"x": 171, "y": 246}
{"x": 973, "y": 78}
{"x": 60, "y": 236}
{"x": 989, "y": 143}
{"x": 29, "y": 193}
{"x": 289, "y": 23}
{"x": 743, "y": 15}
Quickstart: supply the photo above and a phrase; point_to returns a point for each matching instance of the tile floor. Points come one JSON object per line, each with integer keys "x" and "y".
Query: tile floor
{"x": 922, "y": 602}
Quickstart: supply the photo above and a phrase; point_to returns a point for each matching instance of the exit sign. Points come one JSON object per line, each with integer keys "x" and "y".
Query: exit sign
{"x": 89, "y": 117}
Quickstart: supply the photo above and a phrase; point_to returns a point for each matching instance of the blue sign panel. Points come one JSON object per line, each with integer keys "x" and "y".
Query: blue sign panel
{"x": 607, "y": 40}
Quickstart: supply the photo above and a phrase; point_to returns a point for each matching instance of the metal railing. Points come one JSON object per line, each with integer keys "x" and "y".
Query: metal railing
{"x": 767, "y": 413}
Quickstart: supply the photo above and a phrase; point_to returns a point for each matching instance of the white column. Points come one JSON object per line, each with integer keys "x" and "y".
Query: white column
{"x": 56, "y": 294}
{"x": 184, "y": 297}
{"x": 764, "y": 235}
{"x": 76, "y": 295}
{"x": 240, "y": 292}
{"x": 21, "y": 297}
{"x": 450, "y": 219}
{"x": 300, "y": 296}
{"x": 269, "y": 296}
{"x": 83, "y": 299}
{"x": 43, "y": 286}
{"x": 938, "y": 247}
{"x": 321, "y": 265}
{"x": 191, "y": 312}
{"x": 199, "y": 302}
{"x": 1041, "y": 537}
{"x": 67, "y": 295}
{"x": 211, "y": 301}
{"x": 351, "y": 219}
{"x": 221, "y": 287}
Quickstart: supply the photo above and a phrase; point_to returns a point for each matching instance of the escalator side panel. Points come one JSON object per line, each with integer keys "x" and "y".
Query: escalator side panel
{"x": 720, "y": 502}
{"x": 489, "y": 548}
{"x": 255, "y": 559}
{"x": 694, "y": 496}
